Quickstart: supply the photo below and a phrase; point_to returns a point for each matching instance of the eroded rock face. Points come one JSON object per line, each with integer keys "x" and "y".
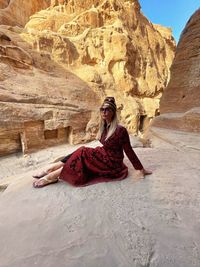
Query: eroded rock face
{"x": 4, "y": 3}
{"x": 41, "y": 103}
{"x": 110, "y": 48}
{"x": 17, "y": 12}
{"x": 113, "y": 47}
{"x": 180, "y": 103}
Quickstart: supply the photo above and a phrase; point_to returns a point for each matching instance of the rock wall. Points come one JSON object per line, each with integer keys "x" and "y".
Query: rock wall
{"x": 17, "y": 12}
{"x": 180, "y": 103}
{"x": 113, "y": 47}
{"x": 41, "y": 103}
{"x": 56, "y": 70}
{"x": 4, "y": 3}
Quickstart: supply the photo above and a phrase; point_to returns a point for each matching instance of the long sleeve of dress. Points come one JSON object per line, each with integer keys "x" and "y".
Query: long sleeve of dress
{"x": 130, "y": 153}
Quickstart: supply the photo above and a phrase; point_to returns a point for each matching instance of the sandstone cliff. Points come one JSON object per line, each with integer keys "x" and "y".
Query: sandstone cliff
{"x": 17, "y": 12}
{"x": 180, "y": 103}
{"x": 110, "y": 48}
{"x": 150, "y": 222}
{"x": 41, "y": 103}
{"x": 113, "y": 47}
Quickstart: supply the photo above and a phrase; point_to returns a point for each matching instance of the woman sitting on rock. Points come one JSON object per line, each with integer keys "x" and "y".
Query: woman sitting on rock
{"x": 87, "y": 165}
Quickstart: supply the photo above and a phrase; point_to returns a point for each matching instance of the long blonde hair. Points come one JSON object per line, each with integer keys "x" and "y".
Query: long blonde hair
{"x": 111, "y": 129}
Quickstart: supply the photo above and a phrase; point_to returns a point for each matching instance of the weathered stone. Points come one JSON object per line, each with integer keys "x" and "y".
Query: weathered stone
{"x": 111, "y": 48}
{"x": 41, "y": 103}
{"x": 180, "y": 103}
{"x": 4, "y": 3}
{"x": 17, "y": 12}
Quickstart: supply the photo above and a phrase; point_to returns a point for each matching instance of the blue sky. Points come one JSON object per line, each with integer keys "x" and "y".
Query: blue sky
{"x": 170, "y": 13}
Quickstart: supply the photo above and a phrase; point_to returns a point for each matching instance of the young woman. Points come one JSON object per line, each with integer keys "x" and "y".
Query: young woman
{"x": 87, "y": 165}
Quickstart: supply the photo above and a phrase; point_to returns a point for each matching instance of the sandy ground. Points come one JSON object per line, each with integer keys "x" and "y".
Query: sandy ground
{"x": 153, "y": 222}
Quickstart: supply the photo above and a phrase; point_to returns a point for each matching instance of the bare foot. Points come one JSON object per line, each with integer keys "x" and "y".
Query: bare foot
{"x": 44, "y": 182}
{"x": 48, "y": 170}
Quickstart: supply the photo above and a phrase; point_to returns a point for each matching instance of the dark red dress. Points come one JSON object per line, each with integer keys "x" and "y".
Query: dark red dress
{"x": 104, "y": 163}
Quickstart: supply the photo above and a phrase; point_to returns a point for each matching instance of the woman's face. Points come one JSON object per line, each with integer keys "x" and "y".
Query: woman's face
{"x": 106, "y": 113}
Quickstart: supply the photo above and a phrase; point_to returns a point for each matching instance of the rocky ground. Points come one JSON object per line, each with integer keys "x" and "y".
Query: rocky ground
{"x": 153, "y": 222}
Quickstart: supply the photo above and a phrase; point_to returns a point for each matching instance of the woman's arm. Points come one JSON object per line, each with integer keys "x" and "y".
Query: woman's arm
{"x": 141, "y": 172}
{"x": 130, "y": 153}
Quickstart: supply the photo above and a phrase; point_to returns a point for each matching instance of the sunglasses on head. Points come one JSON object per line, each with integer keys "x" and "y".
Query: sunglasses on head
{"x": 105, "y": 109}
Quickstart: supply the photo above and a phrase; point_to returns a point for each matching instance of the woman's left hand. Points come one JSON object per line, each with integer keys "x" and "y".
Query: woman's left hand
{"x": 141, "y": 173}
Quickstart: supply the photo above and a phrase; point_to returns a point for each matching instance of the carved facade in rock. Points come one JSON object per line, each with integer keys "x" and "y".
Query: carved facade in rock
{"x": 41, "y": 104}
{"x": 180, "y": 103}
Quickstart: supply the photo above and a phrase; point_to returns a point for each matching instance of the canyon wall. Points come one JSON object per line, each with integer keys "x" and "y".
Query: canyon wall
{"x": 113, "y": 47}
{"x": 17, "y": 12}
{"x": 56, "y": 70}
{"x": 180, "y": 103}
{"x": 41, "y": 103}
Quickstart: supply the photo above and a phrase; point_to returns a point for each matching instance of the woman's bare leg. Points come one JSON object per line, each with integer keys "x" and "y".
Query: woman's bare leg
{"x": 48, "y": 179}
{"x": 55, "y": 166}
{"x": 52, "y": 167}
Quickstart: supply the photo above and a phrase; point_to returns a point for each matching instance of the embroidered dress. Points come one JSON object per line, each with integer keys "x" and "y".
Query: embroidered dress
{"x": 104, "y": 163}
